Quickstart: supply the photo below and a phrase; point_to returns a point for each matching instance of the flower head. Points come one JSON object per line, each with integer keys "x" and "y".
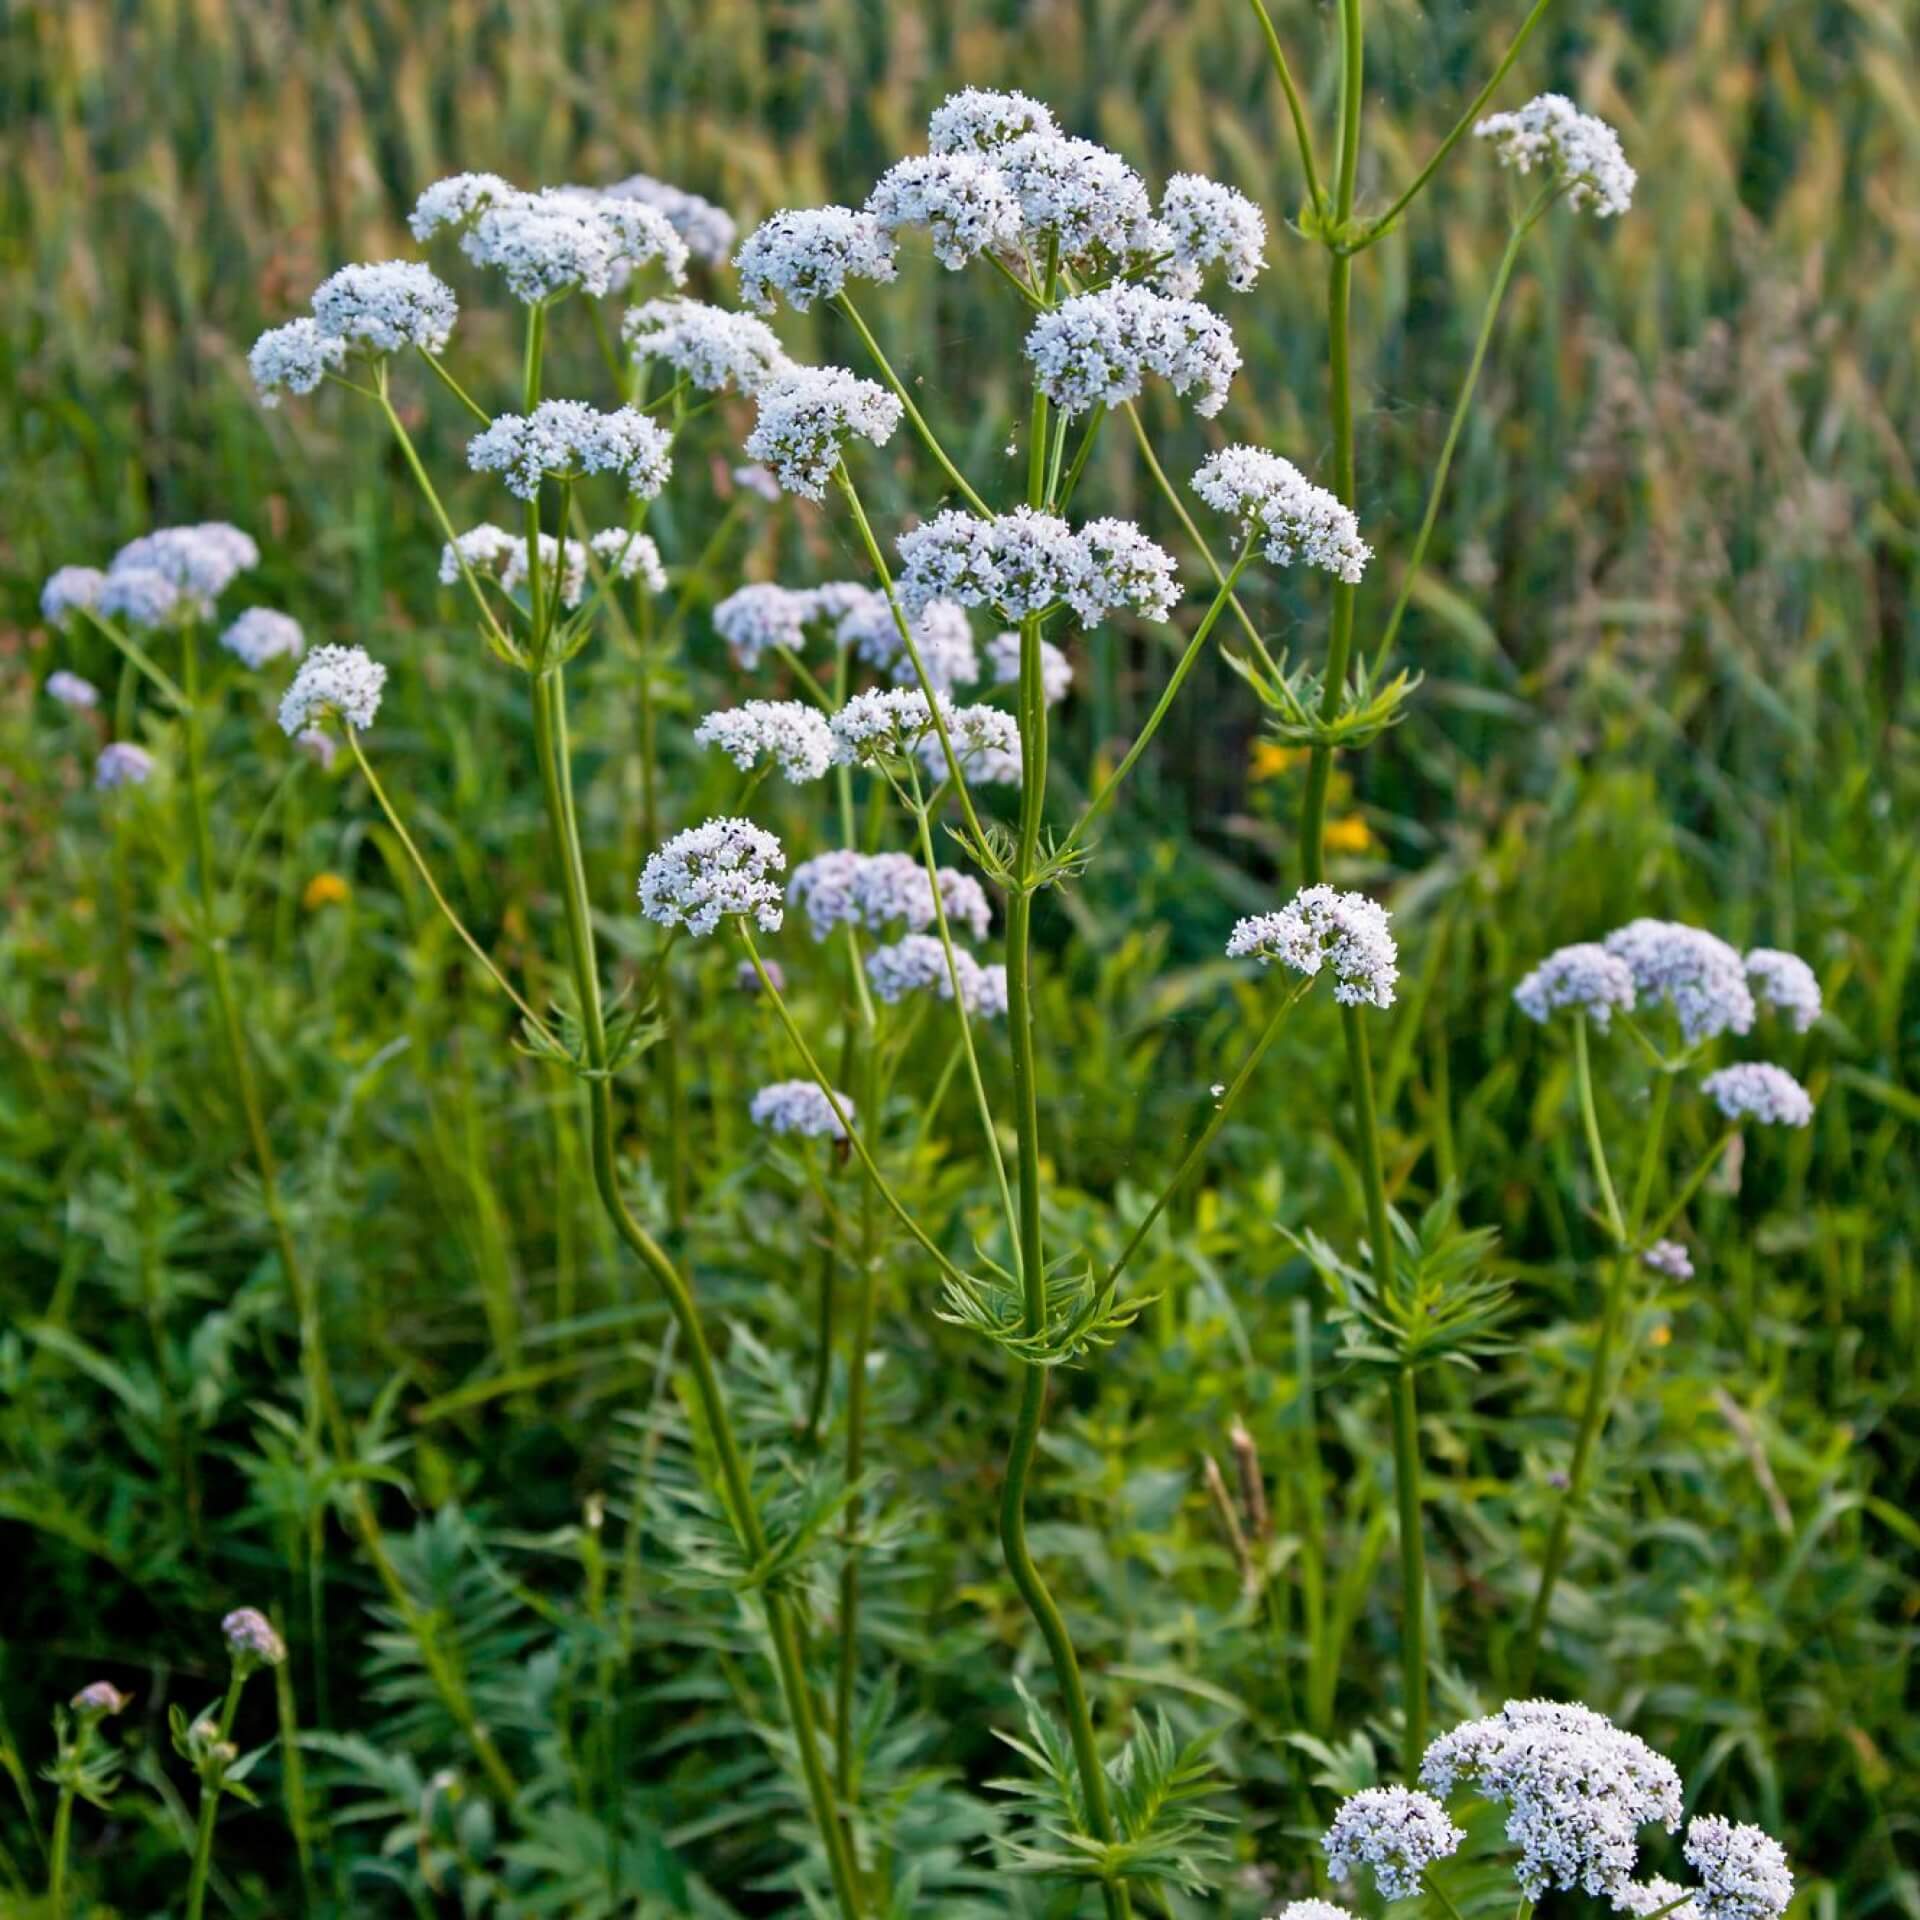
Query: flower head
{"x": 763, "y": 618}
{"x": 723, "y": 869}
{"x": 122, "y": 764}
{"x": 1786, "y": 983}
{"x": 941, "y": 635}
{"x": 383, "y": 307}
{"x": 1097, "y": 348}
{"x": 1743, "y": 1872}
{"x": 708, "y": 230}
{"x": 1645, "y": 1898}
{"x": 800, "y": 1107}
{"x": 805, "y": 418}
{"x": 1585, "y": 976}
{"x": 1211, "y": 226}
{"x": 554, "y": 241}
{"x": 788, "y": 732}
{"x": 918, "y": 964}
{"x": 810, "y": 253}
{"x": 1668, "y": 1257}
{"x": 985, "y": 741}
{"x": 1396, "y": 1832}
{"x": 1079, "y": 197}
{"x": 1312, "y": 1910}
{"x": 260, "y": 634}
{"x": 345, "y": 681}
{"x": 886, "y": 723}
{"x": 71, "y": 691}
{"x": 713, "y": 348}
{"x": 1276, "y": 504}
{"x": 1577, "y": 1788}
{"x": 1580, "y": 152}
{"x": 564, "y": 439}
{"x": 963, "y": 199}
{"x": 1701, "y": 977}
{"x": 1120, "y": 568}
{"x": 70, "y": 590}
{"x": 1758, "y": 1090}
{"x": 457, "y": 202}
{"x": 174, "y": 573}
{"x": 974, "y": 121}
{"x": 1321, "y": 926}
{"x": 1056, "y": 670}
{"x": 98, "y": 1699}
{"x": 294, "y": 358}
{"x": 251, "y": 1639}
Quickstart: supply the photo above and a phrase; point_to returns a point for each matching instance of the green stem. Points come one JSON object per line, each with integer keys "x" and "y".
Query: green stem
{"x": 138, "y": 657}
{"x": 1301, "y": 130}
{"x": 57, "y": 1854}
{"x": 549, "y": 716}
{"x": 210, "y": 1805}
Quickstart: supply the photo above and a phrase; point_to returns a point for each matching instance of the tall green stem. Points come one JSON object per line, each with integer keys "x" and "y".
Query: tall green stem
{"x": 210, "y": 1805}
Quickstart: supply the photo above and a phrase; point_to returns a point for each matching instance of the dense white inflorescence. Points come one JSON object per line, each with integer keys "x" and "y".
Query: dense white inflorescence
{"x": 1581, "y": 152}
{"x": 1702, "y": 978}
{"x": 810, "y": 253}
{"x": 1395, "y": 1832}
{"x": 1211, "y": 225}
{"x": 761, "y": 618}
{"x": 975, "y": 121}
{"x": 918, "y": 964}
{"x": 260, "y": 634}
{"x": 71, "y": 691}
{"x": 1668, "y": 1257}
{"x": 1577, "y": 1788}
{"x": 800, "y": 1107}
{"x": 555, "y": 240}
{"x": 1312, "y": 1910}
{"x": 1645, "y": 1898}
{"x": 70, "y": 590}
{"x": 457, "y": 202}
{"x": 294, "y": 358}
{"x": 880, "y": 890}
{"x": 566, "y": 439}
{"x": 1321, "y": 926}
{"x": 251, "y": 1639}
{"x": 963, "y": 200}
{"x": 122, "y": 764}
{"x": 343, "y": 681}
{"x": 708, "y": 230}
{"x": 1079, "y": 198}
{"x": 941, "y": 635}
{"x": 385, "y": 306}
{"x": 1097, "y": 349}
{"x": 885, "y": 723}
{"x": 1585, "y": 976}
{"x": 1786, "y": 983}
{"x": 1121, "y": 568}
{"x": 493, "y": 553}
{"x": 726, "y": 868}
{"x": 1757, "y": 1090}
{"x": 1056, "y": 670}
{"x": 805, "y": 418}
{"x": 1027, "y": 562}
{"x": 1743, "y": 1872}
{"x": 985, "y": 741}
{"x": 788, "y": 732}
{"x": 1276, "y": 504}
{"x": 712, "y": 347}
{"x": 174, "y": 574}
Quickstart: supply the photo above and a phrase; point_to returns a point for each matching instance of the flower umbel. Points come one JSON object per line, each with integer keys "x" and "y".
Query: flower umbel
{"x": 344, "y": 681}
{"x": 1396, "y": 1832}
{"x": 725, "y": 868}
{"x": 1321, "y": 926}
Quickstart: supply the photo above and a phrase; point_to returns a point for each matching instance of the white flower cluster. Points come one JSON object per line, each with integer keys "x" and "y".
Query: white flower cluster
{"x": 724, "y": 868}
{"x": 1026, "y": 562}
{"x": 1786, "y": 983}
{"x": 1743, "y": 1872}
{"x": 800, "y": 1107}
{"x": 294, "y": 358}
{"x": 762, "y": 618}
{"x": 918, "y": 964}
{"x": 712, "y": 347}
{"x": 1319, "y": 927}
{"x": 1056, "y": 670}
{"x": 1082, "y": 199}
{"x": 1668, "y": 1257}
{"x": 174, "y": 574}
{"x": 554, "y": 241}
{"x": 879, "y": 890}
{"x": 1645, "y": 1898}
{"x": 1097, "y": 349}
{"x": 69, "y": 690}
{"x": 1700, "y": 976}
{"x": 122, "y": 764}
{"x": 1577, "y": 1788}
{"x": 1585, "y": 976}
{"x": 1396, "y": 1832}
{"x": 941, "y": 635}
{"x": 345, "y": 681}
{"x": 963, "y": 199}
{"x": 1210, "y": 225}
{"x": 788, "y": 732}
{"x": 1276, "y": 503}
{"x": 1757, "y": 1090}
{"x": 70, "y": 590}
{"x": 805, "y": 418}
{"x": 260, "y": 634}
{"x": 564, "y": 439}
{"x": 385, "y": 306}
{"x": 810, "y": 253}
{"x": 708, "y": 230}
{"x": 985, "y": 741}
{"x": 495, "y": 554}
{"x": 1579, "y": 151}
{"x": 975, "y": 121}
{"x": 1312, "y": 1910}
{"x": 251, "y": 1639}
{"x": 884, "y": 723}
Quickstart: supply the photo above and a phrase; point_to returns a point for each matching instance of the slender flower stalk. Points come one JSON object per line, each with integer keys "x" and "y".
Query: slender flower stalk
{"x": 210, "y": 1791}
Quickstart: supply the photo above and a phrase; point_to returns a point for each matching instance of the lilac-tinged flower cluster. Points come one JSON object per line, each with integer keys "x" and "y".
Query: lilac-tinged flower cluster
{"x": 708, "y": 230}
{"x": 806, "y": 416}
{"x": 763, "y": 618}
{"x": 791, "y": 734}
{"x": 885, "y": 723}
{"x": 1702, "y": 978}
{"x": 1027, "y": 562}
{"x": 566, "y": 439}
{"x": 260, "y": 634}
{"x": 1081, "y": 199}
{"x": 799, "y": 1107}
{"x": 725, "y": 869}
{"x": 881, "y": 890}
{"x": 294, "y": 358}
{"x": 251, "y": 1639}
{"x": 1670, "y": 1258}
{"x": 1323, "y": 927}
{"x": 1758, "y": 1090}
{"x": 985, "y": 741}
{"x": 99, "y": 1698}
{"x": 72, "y": 691}
{"x": 806, "y": 254}
{"x": 1743, "y": 1872}
{"x": 1584, "y": 976}
{"x": 1645, "y": 1898}
{"x": 1276, "y": 504}
{"x": 918, "y": 964}
{"x": 1394, "y": 1832}
{"x": 122, "y": 764}
{"x": 1784, "y": 982}
{"x": 70, "y": 590}
{"x": 493, "y": 553}
{"x": 342, "y": 681}
{"x": 1582, "y": 153}
{"x": 174, "y": 574}
{"x": 1097, "y": 349}
{"x": 941, "y": 636}
{"x": 713, "y": 348}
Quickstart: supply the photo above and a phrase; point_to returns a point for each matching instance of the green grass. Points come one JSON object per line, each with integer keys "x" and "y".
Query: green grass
{"x": 1668, "y": 635}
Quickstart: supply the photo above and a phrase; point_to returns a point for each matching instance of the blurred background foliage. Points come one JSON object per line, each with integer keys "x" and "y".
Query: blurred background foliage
{"x": 1669, "y": 637}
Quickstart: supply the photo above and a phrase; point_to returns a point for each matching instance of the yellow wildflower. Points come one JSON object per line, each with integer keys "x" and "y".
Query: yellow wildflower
{"x": 1270, "y": 759}
{"x": 1348, "y": 835}
{"x": 325, "y": 890}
